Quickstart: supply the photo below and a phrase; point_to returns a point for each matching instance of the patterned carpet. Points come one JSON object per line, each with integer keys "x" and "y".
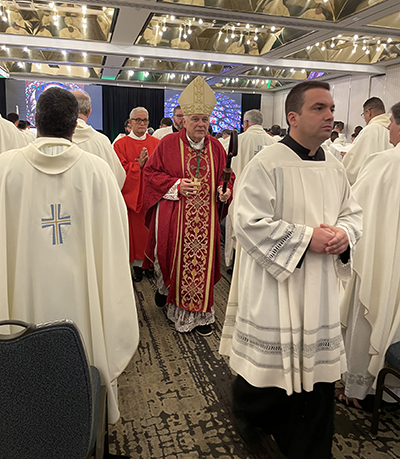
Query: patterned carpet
{"x": 175, "y": 398}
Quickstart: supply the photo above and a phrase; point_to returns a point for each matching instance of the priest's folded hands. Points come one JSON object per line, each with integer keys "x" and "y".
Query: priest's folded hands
{"x": 330, "y": 240}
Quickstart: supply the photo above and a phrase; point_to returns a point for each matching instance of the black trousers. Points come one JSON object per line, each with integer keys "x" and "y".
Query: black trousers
{"x": 301, "y": 424}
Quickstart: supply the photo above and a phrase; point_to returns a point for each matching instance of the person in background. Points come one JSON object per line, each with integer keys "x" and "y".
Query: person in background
{"x": 177, "y": 125}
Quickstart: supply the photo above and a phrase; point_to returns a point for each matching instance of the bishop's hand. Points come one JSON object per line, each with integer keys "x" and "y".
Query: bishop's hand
{"x": 187, "y": 188}
{"x": 223, "y": 197}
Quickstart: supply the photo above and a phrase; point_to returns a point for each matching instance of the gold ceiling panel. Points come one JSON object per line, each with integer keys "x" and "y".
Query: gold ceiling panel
{"x": 50, "y": 70}
{"x": 212, "y": 35}
{"x": 174, "y": 66}
{"x": 391, "y": 22}
{"x": 319, "y": 10}
{"x": 282, "y": 74}
{"x": 56, "y": 57}
{"x": 58, "y": 20}
{"x": 351, "y": 49}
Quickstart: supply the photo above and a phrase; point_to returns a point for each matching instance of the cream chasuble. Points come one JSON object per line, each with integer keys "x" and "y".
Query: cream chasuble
{"x": 374, "y": 289}
{"x": 10, "y": 136}
{"x": 64, "y": 251}
{"x": 372, "y": 139}
{"x": 98, "y": 144}
{"x": 249, "y": 144}
{"x": 282, "y": 324}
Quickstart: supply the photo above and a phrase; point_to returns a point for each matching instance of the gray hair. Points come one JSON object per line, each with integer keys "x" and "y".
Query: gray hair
{"x": 133, "y": 112}
{"x": 84, "y": 102}
{"x": 396, "y": 112}
{"x": 254, "y": 117}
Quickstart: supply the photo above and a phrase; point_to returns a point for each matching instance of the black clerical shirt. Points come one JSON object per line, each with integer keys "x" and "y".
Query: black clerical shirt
{"x": 304, "y": 154}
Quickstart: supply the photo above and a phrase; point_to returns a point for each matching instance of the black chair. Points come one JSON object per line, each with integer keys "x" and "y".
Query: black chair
{"x": 392, "y": 357}
{"x": 52, "y": 404}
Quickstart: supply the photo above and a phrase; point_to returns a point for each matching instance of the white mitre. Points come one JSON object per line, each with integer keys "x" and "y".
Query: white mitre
{"x": 197, "y": 98}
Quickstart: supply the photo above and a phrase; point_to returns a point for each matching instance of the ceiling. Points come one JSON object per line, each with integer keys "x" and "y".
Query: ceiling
{"x": 243, "y": 45}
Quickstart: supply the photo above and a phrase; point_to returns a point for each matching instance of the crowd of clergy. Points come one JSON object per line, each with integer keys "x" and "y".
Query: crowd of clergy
{"x": 311, "y": 227}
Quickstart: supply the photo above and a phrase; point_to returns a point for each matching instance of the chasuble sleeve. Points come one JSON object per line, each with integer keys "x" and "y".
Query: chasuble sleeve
{"x": 273, "y": 243}
{"x": 349, "y": 219}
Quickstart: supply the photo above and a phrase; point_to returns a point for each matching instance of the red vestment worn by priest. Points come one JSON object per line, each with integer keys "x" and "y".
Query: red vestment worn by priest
{"x": 128, "y": 150}
{"x": 188, "y": 231}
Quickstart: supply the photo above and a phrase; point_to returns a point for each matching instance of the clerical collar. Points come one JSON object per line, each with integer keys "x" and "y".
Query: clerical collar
{"x": 194, "y": 145}
{"x": 301, "y": 151}
{"x": 135, "y": 137}
{"x": 51, "y": 146}
{"x": 174, "y": 128}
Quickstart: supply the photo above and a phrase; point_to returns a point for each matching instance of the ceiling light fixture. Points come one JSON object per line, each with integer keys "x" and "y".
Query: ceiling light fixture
{"x": 172, "y": 18}
{"x": 68, "y": 68}
{"x": 273, "y": 28}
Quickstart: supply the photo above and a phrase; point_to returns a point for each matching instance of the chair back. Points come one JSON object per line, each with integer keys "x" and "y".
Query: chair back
{"x": 46, "y": 402}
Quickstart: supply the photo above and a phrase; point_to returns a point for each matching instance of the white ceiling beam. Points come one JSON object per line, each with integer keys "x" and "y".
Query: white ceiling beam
{"x": 127, "y": 28}
{"x": 112, "y": 49}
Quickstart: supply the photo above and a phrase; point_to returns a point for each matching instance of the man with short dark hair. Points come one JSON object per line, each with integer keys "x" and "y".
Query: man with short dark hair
{"x": 165, "y": 122}
{"x": 339, "y": 126}
{"x": 296, "y": 225}
{"x": 14, "y": 118}
{"x": 64, "y": 241}
{"x": 94, "y": 142}
{"x": 370, "y": 305}
{"x": 177, "y": 125}
{"x": 276, "y": 132}
{"x": 372, "y": 139}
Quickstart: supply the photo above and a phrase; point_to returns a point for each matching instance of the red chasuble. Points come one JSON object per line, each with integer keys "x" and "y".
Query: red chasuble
{"x": 188, "y": 236}
{"x": 128, "y": 151}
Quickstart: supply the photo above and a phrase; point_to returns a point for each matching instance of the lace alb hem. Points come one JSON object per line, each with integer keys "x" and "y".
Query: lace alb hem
{"x": 185, "y": 321}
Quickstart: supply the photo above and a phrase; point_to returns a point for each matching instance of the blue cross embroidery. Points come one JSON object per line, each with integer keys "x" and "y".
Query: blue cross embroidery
{"x": 55, "y": 222}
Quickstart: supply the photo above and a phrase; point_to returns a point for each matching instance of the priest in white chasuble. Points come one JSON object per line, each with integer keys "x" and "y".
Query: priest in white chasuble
{"x": 250, "y": 142}
{"x": 94, "y": 142}
{"x": 371, "y": 303}
{"x": 183, "y": 194}
{"x": 10, "y": 136}
{"x": 64, "y": 241}
{"x": 372, "y": 139}
{"x": 296, "y": 223}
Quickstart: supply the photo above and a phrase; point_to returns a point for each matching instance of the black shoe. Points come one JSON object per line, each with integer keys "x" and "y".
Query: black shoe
{"x": 137, "y": 275}
{"x": 229, "y": 271}
{"x": 204, "y": 330}
{"x": 149, "y": 273}
{"x": 161, "y": 300}
{"x": 250, "y": 435}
